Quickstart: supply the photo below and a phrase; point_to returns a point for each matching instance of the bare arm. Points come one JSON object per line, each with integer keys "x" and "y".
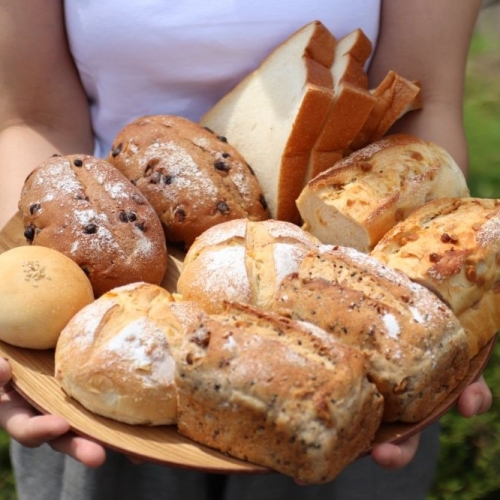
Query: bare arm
{"x": 43, "y": 109}
{"x": 428, "y": 40}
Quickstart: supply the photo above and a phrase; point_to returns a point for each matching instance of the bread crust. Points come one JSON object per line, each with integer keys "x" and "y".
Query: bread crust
{"x": 451, "y": 246}
{"x": 355, "y": 202}
{"x": 277, "y": 393}
{"x": 86, "y": 209}
{"x": 242, "y": 261}
{"x": 416, "y": 347}
{"x": 117, "y": 355}
{"x": 192, "y": 177}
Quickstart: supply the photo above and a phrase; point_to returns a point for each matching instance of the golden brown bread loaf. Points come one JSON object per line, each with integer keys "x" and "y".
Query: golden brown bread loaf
{"x": 452, "y": 246}
{"x": 242, "y": 261}
{"x": 86, "y": 209}
{"x": 117, "y": 355}
{"x": 417, "y": 349}
{"x": 276, "y": 392}
{"x": 361, "y": 197}
{"x": 40, "y": 291}
{"x": 193, "y": 178}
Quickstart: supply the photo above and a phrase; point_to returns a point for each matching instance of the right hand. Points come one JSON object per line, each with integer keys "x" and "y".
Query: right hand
{"x": 25, "y": 425}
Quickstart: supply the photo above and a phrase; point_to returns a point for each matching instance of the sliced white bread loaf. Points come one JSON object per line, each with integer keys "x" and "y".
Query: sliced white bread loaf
{"x": 394, "y": 96}
{"x": 351, "y": 105}
{"x": 361, "y": 197}
{"x": 274, "y": 115}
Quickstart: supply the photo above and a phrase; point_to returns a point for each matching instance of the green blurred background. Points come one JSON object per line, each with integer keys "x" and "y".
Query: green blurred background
{"x": 470, "y": 450}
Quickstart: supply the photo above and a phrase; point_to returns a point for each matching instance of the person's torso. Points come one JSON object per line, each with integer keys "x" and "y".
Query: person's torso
{"x": 164, "y": 57}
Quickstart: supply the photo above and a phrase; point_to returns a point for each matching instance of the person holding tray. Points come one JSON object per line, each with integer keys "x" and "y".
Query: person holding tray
{"x": 73, "y": 73}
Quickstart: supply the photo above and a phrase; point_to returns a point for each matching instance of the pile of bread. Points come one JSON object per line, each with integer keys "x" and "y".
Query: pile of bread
{"x": 334, "y": 279}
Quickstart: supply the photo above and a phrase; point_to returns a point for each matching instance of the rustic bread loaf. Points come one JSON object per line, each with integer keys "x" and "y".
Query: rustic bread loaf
{"x": 417, "y": 349}
{"x": 86, "y": 209}
{"x": 242, "y": 261}
{"x": 274, "y": 115}
{"x": 361, "y": 197}
{"x": 193, "y": 178}
{"x": 452, "y": 246}
{"x": 117, "y": 355}
{"x": 40, "y": 291}
{"x": 276, "y": 392}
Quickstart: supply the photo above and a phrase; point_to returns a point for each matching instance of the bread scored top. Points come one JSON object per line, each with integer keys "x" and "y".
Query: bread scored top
{"x": 355, "y": 202}
{"x": 274, "y": 115}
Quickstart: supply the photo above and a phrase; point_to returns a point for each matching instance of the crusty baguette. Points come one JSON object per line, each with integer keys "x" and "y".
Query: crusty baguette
{"x": 416, "y": 347}
{"x": 276, "y": 392}
{"x": 394, "y": 96}
{"x": 274, "y": 115}
{"x": 351, "y": 105}
{"x": 452, "y": 247}
{"x": 361, "y": 197}
{"x": 242, "y": 261}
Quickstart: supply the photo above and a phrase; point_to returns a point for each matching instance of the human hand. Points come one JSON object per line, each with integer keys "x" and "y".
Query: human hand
{"x": 474, "y": 400}
{"x": 24, "y": 424}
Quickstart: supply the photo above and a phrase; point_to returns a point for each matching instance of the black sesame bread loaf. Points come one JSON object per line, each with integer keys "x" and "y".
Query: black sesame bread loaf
{"x": 193, "y": 178}
{"x": 416, "y": 347}
{"x": 242, "y": 261}
{"x": 86, "y": 209}
{"x": 276, "y": 392}
{"x": 452, "y": 246}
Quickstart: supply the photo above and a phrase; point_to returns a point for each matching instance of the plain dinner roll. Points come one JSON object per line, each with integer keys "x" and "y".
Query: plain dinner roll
{"x": 41, "y": 289}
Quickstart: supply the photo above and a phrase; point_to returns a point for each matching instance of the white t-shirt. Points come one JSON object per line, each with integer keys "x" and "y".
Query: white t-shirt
{"x": 163, "y": 57}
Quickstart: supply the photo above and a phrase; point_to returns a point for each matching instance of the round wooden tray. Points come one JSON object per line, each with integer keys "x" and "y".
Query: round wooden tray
{"x": 33, "y": 379}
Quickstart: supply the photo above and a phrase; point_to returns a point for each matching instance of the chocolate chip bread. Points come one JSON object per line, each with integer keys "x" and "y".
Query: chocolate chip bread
{"x": 193, "y": 178}
{"x": 85, "y": 208}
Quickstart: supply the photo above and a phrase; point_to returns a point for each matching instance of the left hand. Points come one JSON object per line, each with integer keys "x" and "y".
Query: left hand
{"x": 474, "y": 400}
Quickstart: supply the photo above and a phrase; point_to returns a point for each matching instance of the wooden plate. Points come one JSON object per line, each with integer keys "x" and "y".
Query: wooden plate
{"x": 33, "y": 379}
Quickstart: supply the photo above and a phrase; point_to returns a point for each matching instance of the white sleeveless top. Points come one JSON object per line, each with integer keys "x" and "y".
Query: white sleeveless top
{"x": 179, "y": 57}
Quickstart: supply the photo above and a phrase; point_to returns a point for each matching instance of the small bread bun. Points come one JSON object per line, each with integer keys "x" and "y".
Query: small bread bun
{"x": 86, "y": 209}
{"x": 452, "y": 246}
{"x": 242, "y": 261}
{"x": 416, "y": 347}
{"x": 117, "y": 355}
{"x": 193, "y": 178}
{"x": 40, "y": 290}
{"x": 279, "y": 393}
{"x": 355, "y": 202}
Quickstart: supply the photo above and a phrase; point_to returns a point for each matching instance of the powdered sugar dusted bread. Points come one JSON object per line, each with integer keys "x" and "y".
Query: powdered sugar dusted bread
{"x": 417, "y": 349}
{"x": 452, "y": 246}
{"x": 361, "y": 197}
{"x": 117, "y": 355}
{"x": 192, "y": 177}
{"x": 86, "y": 209}
{"x": 276, "y": 392}
{"x": 242, "y": 261}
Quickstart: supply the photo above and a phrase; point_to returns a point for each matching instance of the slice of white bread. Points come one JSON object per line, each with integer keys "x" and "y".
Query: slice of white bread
{"x": 361, "y": 197}
{"x": 351, "y": 105}
{"x": 394, "y": 96}
{"x": 274, "y": 115}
